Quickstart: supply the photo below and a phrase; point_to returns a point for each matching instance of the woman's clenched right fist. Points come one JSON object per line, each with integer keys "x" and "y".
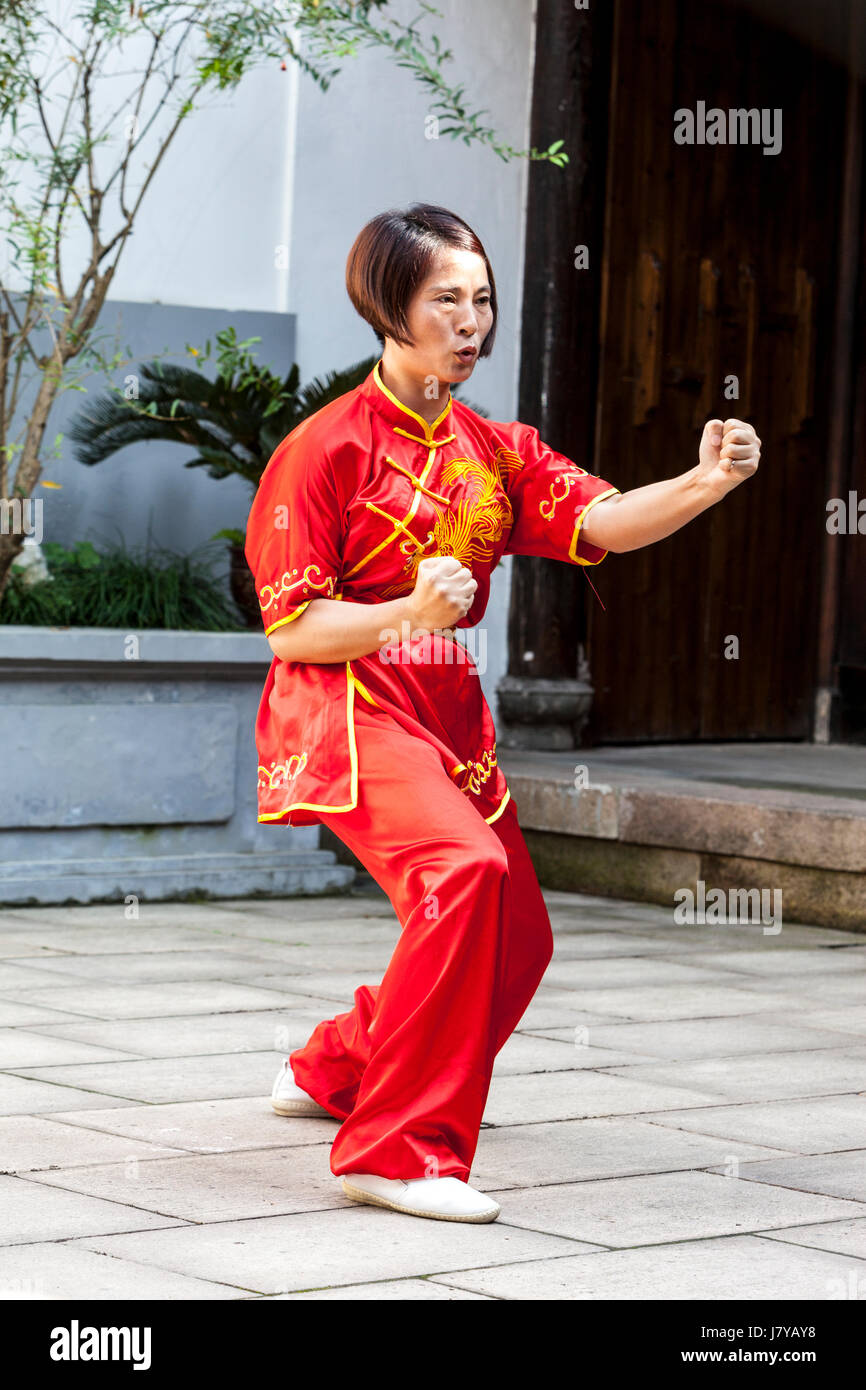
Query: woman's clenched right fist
{"x": 444, "y": 592}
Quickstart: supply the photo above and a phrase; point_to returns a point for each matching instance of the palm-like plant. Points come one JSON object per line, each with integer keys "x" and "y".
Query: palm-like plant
{"x": 233, "y": 422}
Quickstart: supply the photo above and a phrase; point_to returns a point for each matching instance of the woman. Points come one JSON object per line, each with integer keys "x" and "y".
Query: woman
{"x": 375, "y": 528}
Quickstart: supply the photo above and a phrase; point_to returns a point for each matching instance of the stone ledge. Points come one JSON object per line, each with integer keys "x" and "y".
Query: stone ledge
{"x": 647, "y": 874}
{"x": 31, "y": 645}
{"x": 641, "y": 808}
{"x": 174, "y": 878}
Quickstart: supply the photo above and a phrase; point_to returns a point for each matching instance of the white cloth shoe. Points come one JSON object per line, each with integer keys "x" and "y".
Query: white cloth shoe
{"x": 287, "y": 1098}
{"x": 444, "y": 1199}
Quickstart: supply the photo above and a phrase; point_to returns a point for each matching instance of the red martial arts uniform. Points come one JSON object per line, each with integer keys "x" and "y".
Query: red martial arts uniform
{"x": 396, "y": 751}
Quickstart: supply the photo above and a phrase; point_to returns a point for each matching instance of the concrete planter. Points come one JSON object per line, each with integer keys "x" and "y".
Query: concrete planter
{"x": 129, "y": 771}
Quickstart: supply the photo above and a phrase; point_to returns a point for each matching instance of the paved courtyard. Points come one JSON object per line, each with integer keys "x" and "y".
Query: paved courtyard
{"x": 681, "y": 1113}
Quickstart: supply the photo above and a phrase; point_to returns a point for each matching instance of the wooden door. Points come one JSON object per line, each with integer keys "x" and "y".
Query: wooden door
{"x": 720, "y": 261}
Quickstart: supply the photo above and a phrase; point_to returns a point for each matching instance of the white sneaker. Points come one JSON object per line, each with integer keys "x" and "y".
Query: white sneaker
{"x": 287, "y": 1098}
{"x": 444, "y": 1199}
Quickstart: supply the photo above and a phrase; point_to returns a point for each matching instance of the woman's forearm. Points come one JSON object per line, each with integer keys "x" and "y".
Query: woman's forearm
{"x": 728, "y": 454}
{"x": 647, "y": 514}
{"x": 334, "y": 630}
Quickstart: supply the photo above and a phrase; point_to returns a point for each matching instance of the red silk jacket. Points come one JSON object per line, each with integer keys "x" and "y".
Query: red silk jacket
{"x": 349, "y": 503}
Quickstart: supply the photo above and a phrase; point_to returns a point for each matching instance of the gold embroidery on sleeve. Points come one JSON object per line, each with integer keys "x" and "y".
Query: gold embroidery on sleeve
{"x": 548, "y": 507}
{"x": 478, "y": 772}
{"x": 280, "y": 774}
{"x": 286, "y": 583}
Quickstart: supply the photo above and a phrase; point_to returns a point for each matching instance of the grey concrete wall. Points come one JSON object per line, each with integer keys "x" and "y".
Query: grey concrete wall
{"x": 139, "y": 775}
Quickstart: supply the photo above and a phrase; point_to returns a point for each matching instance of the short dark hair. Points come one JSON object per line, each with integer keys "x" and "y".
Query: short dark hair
{"x": 391, "y": 256}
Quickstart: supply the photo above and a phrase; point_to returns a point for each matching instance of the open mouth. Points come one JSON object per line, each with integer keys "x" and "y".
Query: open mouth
{"x": 468, "y": 354}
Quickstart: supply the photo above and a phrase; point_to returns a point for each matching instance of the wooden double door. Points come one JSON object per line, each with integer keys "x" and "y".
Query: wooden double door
{"x": 730, "y": 287}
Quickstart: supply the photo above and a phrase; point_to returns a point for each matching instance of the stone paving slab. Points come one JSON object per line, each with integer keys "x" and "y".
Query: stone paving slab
{"x": 214, "y": 1187}
{"x": 560, "y": 1006}
{"x": 709, "y": 936}
{"x": 241, "y": 957}
{"x": 289, "y": 928}
{"x": 31, "y": 1143}
{"x": 837, "y": 987}
{"x": 849, "y": 1019}
{"x": 777, "y": 961}
{"x": 589, "y": 945}
{"x": 105, "y": 999}
{"x": 543, "y": 1014}
{"x": 346, "y": 907}
{"x": 34, "y": 1212}
{"x": 20, "y": 1048}
{"x": 844, "y": 1237}
{"x": 21, "y": 1095}
{"x": 836, "y": 1175}
{"x": 761, "y": 1076}
{"x": 593, "y": 906}
{"x": 283, "y": 1029}
{"x": 123, "y": 938}
{"x": 406, "y": 1290}
{"x": 157, "y": 967}
{"x": 576, "y": 1095}
{"x": 360, "y": 958}
{"x": 319, "y": 1249}
{"x": 52, "y": 1270}
{"x": 337, "y": 985}
{"x": 204, "y": 915}
{"x": 659, "y": 1208}
{"x": 328, "y": 934}
{"x": 154, "y": 1081}
{"x": 20, "y": 974}
{"x": 23, "y": 947}
{"x": 207, "y": 1126}
{"x": 565, "y": 1151}
{"x": 525, "y": 1053}
{"x": 814, "y": 1124}
{"x": 572, "y": 924}
{"x": 729, "y": 1268}
{"x": 683, "y": 1039}
{"x": 13, "y": 1013}
{"x": 654, "y": 1002}
{"x": 635, "y": 970}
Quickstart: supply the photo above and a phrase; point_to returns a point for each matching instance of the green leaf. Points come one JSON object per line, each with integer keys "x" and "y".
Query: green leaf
{"x": 86, "y": 555}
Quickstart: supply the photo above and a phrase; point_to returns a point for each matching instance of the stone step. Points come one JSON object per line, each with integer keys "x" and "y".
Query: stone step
{"x": 792, "y": 816}
{"x": 174, "y": 877}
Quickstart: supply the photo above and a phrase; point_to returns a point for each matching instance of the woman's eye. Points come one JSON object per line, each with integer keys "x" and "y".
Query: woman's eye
{"x": 449, "y": 299}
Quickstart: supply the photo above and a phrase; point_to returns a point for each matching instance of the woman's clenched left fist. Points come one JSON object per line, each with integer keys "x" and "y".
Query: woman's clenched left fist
{"x": 729, "y": 452}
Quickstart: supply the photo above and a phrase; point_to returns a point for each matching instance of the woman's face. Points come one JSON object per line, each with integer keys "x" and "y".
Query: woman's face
{"x": 449, "y": 312}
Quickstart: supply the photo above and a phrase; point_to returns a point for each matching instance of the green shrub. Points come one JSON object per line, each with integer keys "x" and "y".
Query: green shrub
{"x": 150, "y": 588}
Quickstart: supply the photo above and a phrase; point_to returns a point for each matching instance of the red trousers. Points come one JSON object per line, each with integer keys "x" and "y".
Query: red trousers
{"x": 408, "y": 1068}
